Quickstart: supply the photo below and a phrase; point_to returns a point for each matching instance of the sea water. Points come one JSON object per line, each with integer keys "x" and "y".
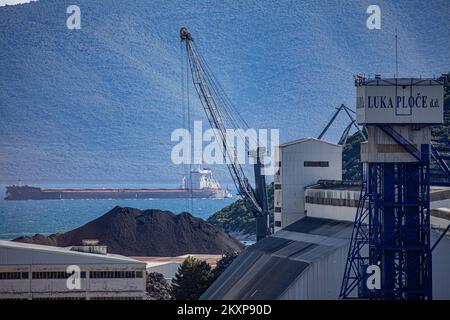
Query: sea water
{"x": 28, "y": 217}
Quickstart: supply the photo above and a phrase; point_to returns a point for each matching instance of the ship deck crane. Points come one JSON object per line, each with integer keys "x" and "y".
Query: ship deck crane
{"x": 222, "y": 115}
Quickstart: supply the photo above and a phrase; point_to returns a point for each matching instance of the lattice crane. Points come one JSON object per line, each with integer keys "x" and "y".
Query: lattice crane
{"x": 221, "y": 116}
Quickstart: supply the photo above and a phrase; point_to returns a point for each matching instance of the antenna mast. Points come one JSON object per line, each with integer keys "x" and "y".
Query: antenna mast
{"x": 396, "y": 54}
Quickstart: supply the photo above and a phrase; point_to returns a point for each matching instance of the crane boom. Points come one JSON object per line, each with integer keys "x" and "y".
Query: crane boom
{"x": 218, "y": 110}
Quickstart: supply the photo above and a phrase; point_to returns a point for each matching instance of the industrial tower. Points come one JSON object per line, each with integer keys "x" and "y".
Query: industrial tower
{"x": 392, "y": 225}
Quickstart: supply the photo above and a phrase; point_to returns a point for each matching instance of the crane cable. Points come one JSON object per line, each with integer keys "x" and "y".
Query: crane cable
{"x": 229, "y": 108}
{"x": 207, "y": 87}
{"x": 229, "y": 112}
{"x": 186, "y": 119}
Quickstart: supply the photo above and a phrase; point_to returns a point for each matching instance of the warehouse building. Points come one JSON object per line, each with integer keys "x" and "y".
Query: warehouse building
{"x": 314, "y": 215}
{"x": 304, "y": 261}
{"x": 338, "y": 200}
{"x": 29, "y": 271}
{"x": 308, "y": 181}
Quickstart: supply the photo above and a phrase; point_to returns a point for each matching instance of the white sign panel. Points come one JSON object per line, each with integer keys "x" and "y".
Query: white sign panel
{"x": 407, "y": 101}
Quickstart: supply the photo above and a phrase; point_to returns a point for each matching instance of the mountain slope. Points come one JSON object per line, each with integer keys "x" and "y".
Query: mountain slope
{"x": 132, "y": 232}
{"x": 100, "y": 103}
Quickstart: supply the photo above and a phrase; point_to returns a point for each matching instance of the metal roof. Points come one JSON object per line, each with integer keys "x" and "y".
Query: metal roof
{"x": 305, "y": 261}
{"x": 307, "y": 139}
{"x": 16, "y": 253}
{"x": 268, "y": 268}
{"x": 400, "y": 82}
{"x": 211, "y": 259}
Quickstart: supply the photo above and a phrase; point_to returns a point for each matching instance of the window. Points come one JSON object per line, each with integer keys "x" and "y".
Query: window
{"x": 277, "y": 223}
{"x": 52, "y": 275}
{"x": 13, "y": 275}
{"x": 277, "y": 209}
{"x": 115, "y": 274}
{"x": 321, "y": 164}
{"x": 60, "y": 298}
{"x": 116, "y": 298}
{"x": 277, "y": 186}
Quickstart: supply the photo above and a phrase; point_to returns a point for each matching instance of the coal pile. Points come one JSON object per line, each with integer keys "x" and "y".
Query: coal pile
{"x": 132, "y": 232}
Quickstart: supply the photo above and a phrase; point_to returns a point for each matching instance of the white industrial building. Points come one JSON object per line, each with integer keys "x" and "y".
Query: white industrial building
{"x": 168, "y": 266}
{"x": 308, "y": 181}
{"x": 338, "y": 200}
{"x": 301, "y": 163}
{"x": 305, "y": 261}
{"x": 29, "y": 271}
{"x": 314, "y": 216}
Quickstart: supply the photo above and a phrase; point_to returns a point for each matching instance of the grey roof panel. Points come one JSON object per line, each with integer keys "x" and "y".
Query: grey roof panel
{"x": 290, "y": 143}
{"x": 271, "y": 244}
{"x": 236, "y": 273}
{"x": 295, "y": 249}
{"x": 262, "y": 271}
{"x": 314, "y": 254}
{"x": 267, "y": 269}
{"x": 318, "y": 226}
{"x": 265, "y": 286}
{"x": 18, "y": 253}
{"x": 331, "y": 229}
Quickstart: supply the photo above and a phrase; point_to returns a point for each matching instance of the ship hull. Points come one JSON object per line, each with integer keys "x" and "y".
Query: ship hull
{"x": 33, "y": 193}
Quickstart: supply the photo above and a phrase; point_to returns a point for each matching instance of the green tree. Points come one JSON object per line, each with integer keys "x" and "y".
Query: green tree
{"x": 192, "y": 279}
{"x": 157, "y": 287}
{"x": 224, "y": 263}
{"x": 236, "y": 217}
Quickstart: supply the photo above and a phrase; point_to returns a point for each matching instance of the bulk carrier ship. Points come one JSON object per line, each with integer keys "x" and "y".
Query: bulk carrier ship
{"x": 199, "y": 184}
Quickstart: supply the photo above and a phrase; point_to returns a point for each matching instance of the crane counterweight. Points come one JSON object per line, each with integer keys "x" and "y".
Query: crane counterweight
{"x": 184, "y": 34}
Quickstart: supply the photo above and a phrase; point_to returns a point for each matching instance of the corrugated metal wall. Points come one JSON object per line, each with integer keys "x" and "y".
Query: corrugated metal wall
{"x": 322, "y": 280}
{"x": 441, "y": 268}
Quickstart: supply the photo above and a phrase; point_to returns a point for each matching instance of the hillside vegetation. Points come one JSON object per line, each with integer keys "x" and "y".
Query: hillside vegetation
{"x": 351, "y": 159}
{"x": 237, "y": 219}
{"x": 441, "y": 134}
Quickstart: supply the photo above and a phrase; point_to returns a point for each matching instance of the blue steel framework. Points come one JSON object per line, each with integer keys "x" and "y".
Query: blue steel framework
{"x": 358, "y": 255}
{"x": 440, "y": 174}
{"x": 392, "y": 229}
